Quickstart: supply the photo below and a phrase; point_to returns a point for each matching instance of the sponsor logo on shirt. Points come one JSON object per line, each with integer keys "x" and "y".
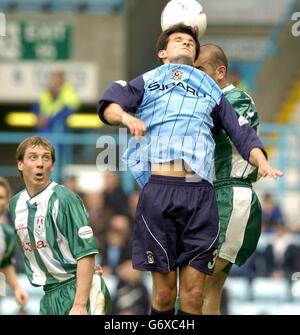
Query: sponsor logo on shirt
{"x": 155, "y": 85}
{"x": 39, "y": 224}
{"x": 21, "y": 226}
{"x": 30, "y": 246}
{"x": 85, "y": 232}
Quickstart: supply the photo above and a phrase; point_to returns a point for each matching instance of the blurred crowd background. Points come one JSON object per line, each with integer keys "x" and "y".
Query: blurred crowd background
{"x": 72, "y": 49}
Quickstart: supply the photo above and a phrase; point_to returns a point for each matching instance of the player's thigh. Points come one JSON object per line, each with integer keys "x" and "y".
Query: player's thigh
{"x": 214, "y": 284}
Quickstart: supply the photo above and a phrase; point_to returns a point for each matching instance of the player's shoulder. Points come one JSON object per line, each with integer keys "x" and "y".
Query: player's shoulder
{"x": 7, "y": 229}
{"x": 14, "y": 199}
{"x": 64, "y": 194}
{"x": 234, "y": 92}
{"x": 61, "y": 190}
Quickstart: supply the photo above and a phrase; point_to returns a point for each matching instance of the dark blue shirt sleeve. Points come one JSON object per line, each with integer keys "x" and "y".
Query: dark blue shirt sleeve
{"x": 242, "y": 135}
{"x": 128, "y": 95}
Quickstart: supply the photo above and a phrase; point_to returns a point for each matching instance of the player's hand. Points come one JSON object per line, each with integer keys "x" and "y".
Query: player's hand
{"x": 78, "y": 310}
{"x": 98, "y": 270}
{"x": 21, "y": 296}
{"x": 266, "y": 169}
{"x": 136, "y": 127}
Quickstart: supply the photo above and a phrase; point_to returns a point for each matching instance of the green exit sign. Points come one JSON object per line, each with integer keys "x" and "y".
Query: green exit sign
{"x": 46, "y": 40}
{"x": 37, "y": 40}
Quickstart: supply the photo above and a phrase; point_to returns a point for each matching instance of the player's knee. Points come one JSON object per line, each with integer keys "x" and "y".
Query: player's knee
{"x": 165, "y": 297}
{"x": 194, "y": 296}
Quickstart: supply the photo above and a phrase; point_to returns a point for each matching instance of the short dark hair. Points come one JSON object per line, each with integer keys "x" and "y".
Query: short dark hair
{"x": 163, "y": 38}
{"x": 218, "y": 56}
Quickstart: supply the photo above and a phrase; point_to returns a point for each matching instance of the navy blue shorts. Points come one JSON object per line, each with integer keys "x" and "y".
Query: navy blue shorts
{"x": 176, "y": 224}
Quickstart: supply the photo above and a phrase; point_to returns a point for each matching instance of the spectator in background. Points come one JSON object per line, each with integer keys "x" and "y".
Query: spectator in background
{"x": 8, "y": 243}
{"x": 118, "y": 243}
{"x": 237, "y": 81}
{"x": 99, "y": 215}
{"x": 281, "y": 255}
{"x": 132, "y": 297}
{"x": 271, "y": 214}
{"x": 114, "y": 197}
{"x": 56, "y": 103}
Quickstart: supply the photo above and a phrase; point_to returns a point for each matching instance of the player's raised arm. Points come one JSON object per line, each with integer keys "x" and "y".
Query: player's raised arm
{"x": 119, "y": 101}
{"x": 114, "y": 114}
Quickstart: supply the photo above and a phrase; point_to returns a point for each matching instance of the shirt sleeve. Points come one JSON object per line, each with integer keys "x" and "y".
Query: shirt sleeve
{"x": 237, "y": 127}
{"x": 11, "y": 243}
{"x": 75, "y": 227}
{"x": 128, "y": 95}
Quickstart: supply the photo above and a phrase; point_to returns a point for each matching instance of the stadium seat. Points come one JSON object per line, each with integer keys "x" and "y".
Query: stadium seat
{"x": 67, "y": 5}
{"x": 238, "y": 288}
{"x": 8, "y": 5}
{"x": 253, "y": 307}
{"x": 270, "y": 288}
{"x": 289, "y": 309}
{"x": 295, "y": 287}
{"x": 105, "y": 5}
{"x": 31, "y": 5}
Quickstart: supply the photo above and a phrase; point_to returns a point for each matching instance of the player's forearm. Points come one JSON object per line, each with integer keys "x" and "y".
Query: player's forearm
{"x": 85, "y": 269}
{"x": 114, "y": 114}
{"x": 257, "y": 157}
{"x": 11, "y": 277}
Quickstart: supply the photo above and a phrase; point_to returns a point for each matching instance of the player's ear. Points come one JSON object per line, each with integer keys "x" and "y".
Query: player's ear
{"x": 221, "y": 72}
{"x": 162, "y": 54}
{"x": 20, "y": 165}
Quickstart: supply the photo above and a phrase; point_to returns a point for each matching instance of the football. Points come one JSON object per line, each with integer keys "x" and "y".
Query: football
{"x": 188, "y": 12}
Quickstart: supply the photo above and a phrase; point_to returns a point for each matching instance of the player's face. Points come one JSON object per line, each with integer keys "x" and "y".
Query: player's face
{"x": 36, "y": 168}
{"x": 181, "y": 48}
{"x": 203, "y": 64}
{"x": 3, "y": 199}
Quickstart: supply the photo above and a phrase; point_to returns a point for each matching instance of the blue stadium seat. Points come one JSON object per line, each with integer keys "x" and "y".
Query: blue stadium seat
{"x": 67, "y": 5}
{"x": 238, "y": 288}
{"x": 270, "y": 288}
{"x": 92, "y": 6}
{"x": 253, "y": 307}
{"x": 7, "y": 5}
{"x": 105, "y": 5}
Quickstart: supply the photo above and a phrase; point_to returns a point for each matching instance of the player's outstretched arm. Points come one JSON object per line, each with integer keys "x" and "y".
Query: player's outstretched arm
{"x": 265, "y": 169}
{"x": 115, "y": 115}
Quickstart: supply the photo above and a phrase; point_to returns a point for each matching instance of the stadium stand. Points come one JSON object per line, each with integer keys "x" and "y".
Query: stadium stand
{"x": 63, "y": 5}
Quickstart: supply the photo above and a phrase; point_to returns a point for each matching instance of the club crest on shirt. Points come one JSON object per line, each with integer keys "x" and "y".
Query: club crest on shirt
{"x": 39, "y": 224}
{"x": 150, "y": 257}
{"x": 177, "y": 74}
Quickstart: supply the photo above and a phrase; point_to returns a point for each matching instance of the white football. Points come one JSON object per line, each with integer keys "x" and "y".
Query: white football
{"x": 188, "y": 12}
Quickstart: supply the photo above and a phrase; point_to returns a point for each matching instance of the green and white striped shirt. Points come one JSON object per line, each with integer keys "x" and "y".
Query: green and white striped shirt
{"x": 7, "y": 244}
{"x": 228, "y": 163}
{"x": 54, "y": 233}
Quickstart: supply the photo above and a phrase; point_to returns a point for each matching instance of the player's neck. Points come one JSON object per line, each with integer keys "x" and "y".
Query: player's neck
{"x": 223, "y": 83}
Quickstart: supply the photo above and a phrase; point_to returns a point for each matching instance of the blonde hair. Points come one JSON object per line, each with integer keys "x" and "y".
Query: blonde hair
{"x": 33, "y": 142}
